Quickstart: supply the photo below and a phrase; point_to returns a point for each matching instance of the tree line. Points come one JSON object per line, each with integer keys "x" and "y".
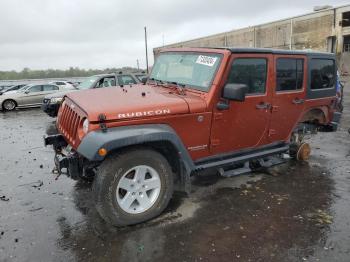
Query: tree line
{"x": 27, "y": 73}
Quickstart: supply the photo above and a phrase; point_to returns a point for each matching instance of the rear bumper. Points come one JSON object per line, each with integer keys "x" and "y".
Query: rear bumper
{"x": 335, "y": 121}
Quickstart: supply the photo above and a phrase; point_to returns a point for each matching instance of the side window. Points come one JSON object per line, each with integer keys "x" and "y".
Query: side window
{"x": 249, "y": 71}
{"x": 50, "y": 88}
{"x": 289, "y": 74}
{"x": 141, "y": 77}
{"x": 34, "y": 89}
{"x": 126, "y": 80}
{"x": 106, "y": 82}
{"x": 322, "y": 73}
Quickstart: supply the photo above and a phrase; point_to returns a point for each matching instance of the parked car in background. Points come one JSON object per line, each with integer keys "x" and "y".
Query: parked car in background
{"x": 51, "y": 103}
{"x": 28, "y": 96}
{"x": 3, "y": 87}
{"x": 11, "y": 88}
{"x": 62, "y": 83}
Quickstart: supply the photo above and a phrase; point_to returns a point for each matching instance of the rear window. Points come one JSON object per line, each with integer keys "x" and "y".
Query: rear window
{"x": 322, "y": 73}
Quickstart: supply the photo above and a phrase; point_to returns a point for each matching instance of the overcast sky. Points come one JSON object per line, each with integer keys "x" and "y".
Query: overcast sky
{"x": 42, "y": 34}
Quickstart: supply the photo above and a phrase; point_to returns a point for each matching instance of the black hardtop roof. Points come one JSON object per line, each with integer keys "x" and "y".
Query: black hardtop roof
{"x": 275, "y": 51}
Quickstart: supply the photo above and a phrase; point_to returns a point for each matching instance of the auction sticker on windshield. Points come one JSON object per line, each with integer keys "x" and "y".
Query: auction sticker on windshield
{"x": 206, "y": 60}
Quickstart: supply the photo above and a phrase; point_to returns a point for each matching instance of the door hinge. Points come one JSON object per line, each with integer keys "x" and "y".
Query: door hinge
{"x": 218, "y": 116}
{"x": 274, "y": 108}
{"x": 272, "y": 132}
{"x": 214, "y": 142}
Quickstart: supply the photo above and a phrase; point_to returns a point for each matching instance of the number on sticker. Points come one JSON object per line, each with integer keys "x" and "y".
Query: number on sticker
{"x": 206, "y": 60}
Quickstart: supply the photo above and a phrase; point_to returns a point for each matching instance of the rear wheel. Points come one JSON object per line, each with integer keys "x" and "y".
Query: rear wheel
{"x": 9, "y": 105}
{"x": 133, "y": 186}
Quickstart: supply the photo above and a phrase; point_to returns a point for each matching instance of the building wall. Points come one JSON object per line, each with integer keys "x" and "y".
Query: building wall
{"x": 312, "y": 31}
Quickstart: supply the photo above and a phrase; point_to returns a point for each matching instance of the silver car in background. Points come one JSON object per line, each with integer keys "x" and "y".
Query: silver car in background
{"x": 28, "y": 96}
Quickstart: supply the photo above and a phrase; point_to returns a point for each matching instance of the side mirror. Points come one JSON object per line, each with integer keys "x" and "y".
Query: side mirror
{"x": 26, "y": 92}
{"x": 144, "y": 80}
{"x": 235, "y": 92}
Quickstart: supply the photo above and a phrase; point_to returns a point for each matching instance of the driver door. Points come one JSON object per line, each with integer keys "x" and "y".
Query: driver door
{"x": 245, "y": 124}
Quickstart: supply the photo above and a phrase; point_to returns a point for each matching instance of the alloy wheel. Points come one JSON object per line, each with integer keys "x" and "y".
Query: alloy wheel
{"x": 138, "y": 189}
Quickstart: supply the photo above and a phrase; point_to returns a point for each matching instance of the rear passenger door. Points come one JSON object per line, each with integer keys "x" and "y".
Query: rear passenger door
{"x": 288, "y": 95}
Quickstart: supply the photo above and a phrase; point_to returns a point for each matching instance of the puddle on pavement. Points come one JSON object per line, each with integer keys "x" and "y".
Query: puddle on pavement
{"x": 270, "y": 217}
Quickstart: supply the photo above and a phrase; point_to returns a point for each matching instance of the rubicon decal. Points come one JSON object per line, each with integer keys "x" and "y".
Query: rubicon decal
{"x": 157, "y": 112}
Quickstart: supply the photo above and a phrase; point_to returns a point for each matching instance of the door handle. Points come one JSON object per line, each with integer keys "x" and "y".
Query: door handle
{"x": 298, "y": 101}
{"x": 263, "y": 105}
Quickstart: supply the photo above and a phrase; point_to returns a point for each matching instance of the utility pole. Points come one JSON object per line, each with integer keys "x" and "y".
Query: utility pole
{"x": 138, "y": 64}
{"x": 146, "y": 49}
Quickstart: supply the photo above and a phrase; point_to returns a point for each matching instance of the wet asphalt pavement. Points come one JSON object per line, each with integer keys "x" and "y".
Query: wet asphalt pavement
{"x": 294, "y": 212}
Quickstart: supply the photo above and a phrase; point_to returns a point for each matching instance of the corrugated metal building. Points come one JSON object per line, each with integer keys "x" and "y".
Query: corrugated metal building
{"x": 324, "y": 30}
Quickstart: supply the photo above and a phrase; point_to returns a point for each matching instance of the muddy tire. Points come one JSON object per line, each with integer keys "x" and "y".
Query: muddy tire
{"x": 133, "y": 186}
{"x": 9, "y": 105}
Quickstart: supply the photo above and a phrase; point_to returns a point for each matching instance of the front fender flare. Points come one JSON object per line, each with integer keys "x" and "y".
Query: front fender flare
{"x": 119, "y": 137}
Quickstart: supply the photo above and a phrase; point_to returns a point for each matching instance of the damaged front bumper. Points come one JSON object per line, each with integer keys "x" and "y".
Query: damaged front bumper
{"x": 67, "y": 160}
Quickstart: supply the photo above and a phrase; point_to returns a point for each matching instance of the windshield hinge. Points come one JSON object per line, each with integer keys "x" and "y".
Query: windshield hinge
{"x": 102, "y": 119}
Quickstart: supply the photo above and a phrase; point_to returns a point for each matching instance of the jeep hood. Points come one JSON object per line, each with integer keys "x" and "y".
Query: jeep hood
{"x": 135, "y": 102}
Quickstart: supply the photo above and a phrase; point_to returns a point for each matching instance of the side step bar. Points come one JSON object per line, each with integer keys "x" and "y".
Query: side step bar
{"x": 244, "y": 158}
{"x": 265, "y": 162}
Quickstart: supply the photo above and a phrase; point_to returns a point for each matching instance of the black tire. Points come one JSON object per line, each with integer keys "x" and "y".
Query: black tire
{"x": 112, "y": 170}
{"x": 7, "y": 101}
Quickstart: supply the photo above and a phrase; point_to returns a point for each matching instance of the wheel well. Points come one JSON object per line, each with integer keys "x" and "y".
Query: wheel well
{"x": 314, "y": 116}
{"x": 167, "y": 149}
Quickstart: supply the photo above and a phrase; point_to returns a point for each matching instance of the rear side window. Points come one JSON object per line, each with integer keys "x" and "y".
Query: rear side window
{"x": 34, "y": 89}
{"x": 322, "y": 73}
{"x": 126, "y": 80}
{"x": 289, "y": 74}
{"x": 50, "y": 88}
{"x": 141, "y": 77}
{"x": 249, "y": 71}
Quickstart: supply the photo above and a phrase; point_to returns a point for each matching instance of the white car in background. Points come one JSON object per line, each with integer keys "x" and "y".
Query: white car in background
{"x": 63, "y": 84}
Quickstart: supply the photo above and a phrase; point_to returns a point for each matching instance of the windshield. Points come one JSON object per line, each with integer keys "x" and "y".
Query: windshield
{"x": 88, "y": 82}
{"x": 195, "y": 70}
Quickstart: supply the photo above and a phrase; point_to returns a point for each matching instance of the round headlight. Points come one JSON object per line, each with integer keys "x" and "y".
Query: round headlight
{"x": 86, "y": 126}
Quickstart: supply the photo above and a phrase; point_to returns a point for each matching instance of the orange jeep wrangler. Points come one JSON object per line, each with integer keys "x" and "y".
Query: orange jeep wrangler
{"x": 227, "y": 109}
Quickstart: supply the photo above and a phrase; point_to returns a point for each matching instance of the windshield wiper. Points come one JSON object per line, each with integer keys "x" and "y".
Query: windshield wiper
{"x": 180, "y": 87}
{"x": 157, "y": 81}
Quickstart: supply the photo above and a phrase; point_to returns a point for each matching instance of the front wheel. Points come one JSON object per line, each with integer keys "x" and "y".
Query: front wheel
{"x": 133, "y": 186}
{"x": 9, "y": 105}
